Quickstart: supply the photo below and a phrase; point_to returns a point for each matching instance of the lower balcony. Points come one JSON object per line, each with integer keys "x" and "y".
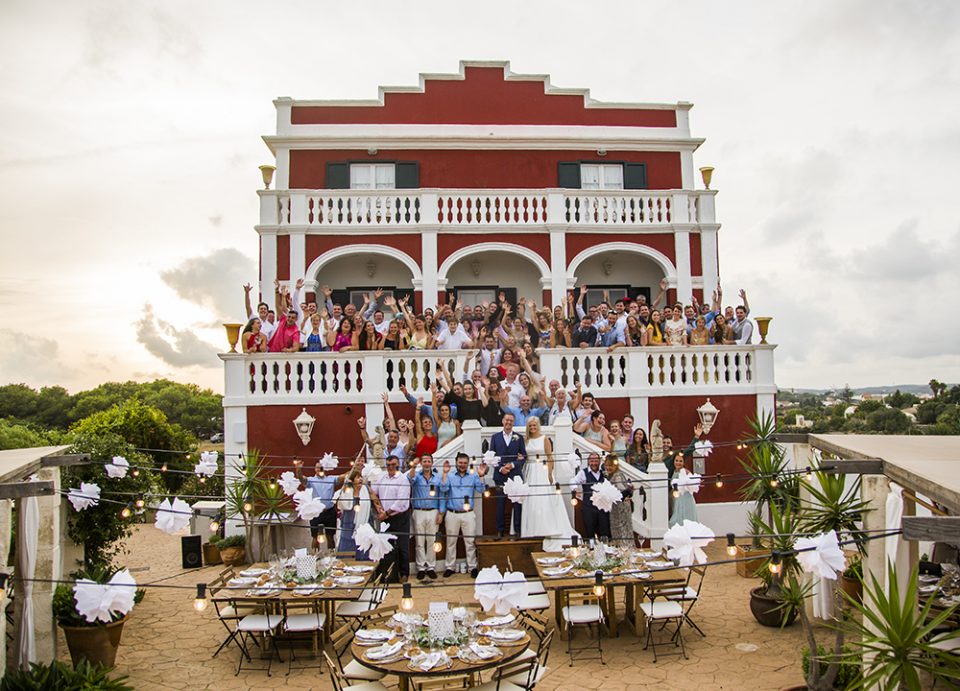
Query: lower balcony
{"x": 362, "y": 377}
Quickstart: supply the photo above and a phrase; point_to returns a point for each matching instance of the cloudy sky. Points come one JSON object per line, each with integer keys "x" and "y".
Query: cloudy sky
{"x": 130, "y": 139}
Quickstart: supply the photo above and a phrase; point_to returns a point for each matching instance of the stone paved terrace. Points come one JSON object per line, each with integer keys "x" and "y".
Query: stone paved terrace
{"x": 166, "y": 645}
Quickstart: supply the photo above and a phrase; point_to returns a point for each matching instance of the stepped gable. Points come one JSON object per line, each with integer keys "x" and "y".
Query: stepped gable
{"x": 484, "y": 93}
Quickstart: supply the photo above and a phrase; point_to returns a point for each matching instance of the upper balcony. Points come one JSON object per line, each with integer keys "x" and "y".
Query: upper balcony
{"x": 531, "y": 209}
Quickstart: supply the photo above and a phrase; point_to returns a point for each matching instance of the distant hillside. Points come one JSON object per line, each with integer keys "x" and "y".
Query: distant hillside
{"x": 915, "y": 389}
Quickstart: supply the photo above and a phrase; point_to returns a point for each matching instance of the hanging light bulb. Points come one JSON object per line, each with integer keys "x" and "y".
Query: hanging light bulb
{"x": 273, "y": 484}
{"x": 470, "y": 467}
{"x": 574, "y": 546}
{"x": 136, "y": 472}
{"x": 438, "y": 543}
{"x": 140, "y": 503}
{"x": 731, "y": 545}
{"x": 466, "y": 503}
{"x": 774, "y": 482}
{"x": 297, "y": 463}
{"x": 247, "y": 506}
{"x": 809, "y": 473}
{"x": 201, "y": 602}
{"x": 598, "y": 588}
{"x": 556, "y": 487}
{"x": 433, "y": 492}
{"x": 573, "y": 500}
{"x": 543, "y": 461}
{"x": 719, "y": 480}
{"x": 775, "y": 564}
{"x": 214, "y": 526}
{"x": 406, "y": 602}
{"x": 203, "y": 480}
{"x": 163, "y": 468}
{"x": 486, "y": 493}
{"x": 356, "y": 504}
{"x": 676, "y": 492}
{"x": 126, "y": 512}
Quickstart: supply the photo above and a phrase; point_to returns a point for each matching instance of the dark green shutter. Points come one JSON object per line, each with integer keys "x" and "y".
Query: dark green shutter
{"x": 634, "y": 176}
{"x": 568, "y": 175}
{"x": 338, "y": 176}
{"x": 408, "y": 175}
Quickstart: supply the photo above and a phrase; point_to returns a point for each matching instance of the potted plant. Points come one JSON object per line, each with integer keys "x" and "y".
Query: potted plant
{"x": 253, "y": 499}
{"x": 233, "y": 550}
{"x": 58, "y": 675}
{"x": 211, "y": 551}
{"x": 92, "y": 618}
{"x": 851, "y": 580}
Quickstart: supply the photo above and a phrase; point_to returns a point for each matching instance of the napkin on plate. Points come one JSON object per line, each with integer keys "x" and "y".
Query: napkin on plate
{"x": 427, "y": 661}
{"x": 506, "y": 634}
{"x": 484, "y": 652}
{"x": 497, "y": 621}
{"x": 382, "y": 652}
{"x": 375, "y": 634}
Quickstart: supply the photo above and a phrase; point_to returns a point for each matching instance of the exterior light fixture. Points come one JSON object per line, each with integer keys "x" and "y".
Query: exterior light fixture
{"x": 304, "y": 425}
{"x": 406, "y": 602}
{"x": 201, "y": 602}
{"x": 598, "y": 588}
{"x": 731, "y": 545}
{"x": 708, "y": 415}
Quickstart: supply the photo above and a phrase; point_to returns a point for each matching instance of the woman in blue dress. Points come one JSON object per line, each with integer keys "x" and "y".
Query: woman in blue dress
{"x": 685, "y": 485}
{"x": 353, "y": 504}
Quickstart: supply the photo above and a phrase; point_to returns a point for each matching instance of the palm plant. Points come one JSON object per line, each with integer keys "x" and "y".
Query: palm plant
{"x": 250, "y": 496}
{"x": 899, "y": 640}
{"x": 769, "y": 484}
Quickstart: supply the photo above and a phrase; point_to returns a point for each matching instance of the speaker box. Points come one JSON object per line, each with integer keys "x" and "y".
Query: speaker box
{"x": 191, "y": 551}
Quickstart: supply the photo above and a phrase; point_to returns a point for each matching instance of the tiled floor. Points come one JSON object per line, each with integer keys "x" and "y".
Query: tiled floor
{"x": 167, "y": 645}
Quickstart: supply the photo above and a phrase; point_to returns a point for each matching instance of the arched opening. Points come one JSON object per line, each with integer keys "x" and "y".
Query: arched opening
{"x": 478, "y": 276}
{"x": 353, "y": 275}
{"x": 620, "y": 270}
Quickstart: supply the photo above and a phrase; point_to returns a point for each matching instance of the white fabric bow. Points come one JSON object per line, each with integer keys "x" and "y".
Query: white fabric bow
{"x": 88, "y": 495}
{"x": 497, "y": 592}
{"x": 703, "y": 448}
{"x": 825, "y": 558}
{"x": 516, "y": 490}
{"x": 687, "y": 483}
{"x": 376, "y": 545}
{"x": 207, "y": 467}
{"x": 289, "y": 482}
{"x": 329, "y": 461}
{"x": 371, "y": 472}
{"x": 490, "y": 459}
{"x": 308, "y": 506}
{"x": 100, "y": 601}
{"x": 172, "y": 517}
{"x": 685, "y": 542}
{"x": 605, "y": 495}
{"x": 117, "y": 468}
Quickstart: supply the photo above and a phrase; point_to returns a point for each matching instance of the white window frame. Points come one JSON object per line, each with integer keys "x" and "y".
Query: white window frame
{"x": 356, "y": 298}
{"x": 609, "y": 176}
{"x": 473, "y": 302}
{"x": 380, "y": 176}
{"x": 595, "y": 296}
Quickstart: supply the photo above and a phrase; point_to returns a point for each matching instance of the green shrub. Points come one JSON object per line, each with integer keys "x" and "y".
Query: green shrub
{"x": 848, "y": 675}
{"x": 232, "y": 541}
{"x": 58, "y": 675}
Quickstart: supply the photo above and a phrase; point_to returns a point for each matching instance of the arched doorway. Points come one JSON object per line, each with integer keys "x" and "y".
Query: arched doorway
{"x": 355, "y": 270}
{"x": 620, "y": 269}
{"x": 479, "y": 272}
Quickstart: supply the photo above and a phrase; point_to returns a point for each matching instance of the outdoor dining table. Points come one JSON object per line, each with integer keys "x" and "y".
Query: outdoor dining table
{"x": 326, "y": 598}
{"x": 400, "y": 667}
{"x": 632, "y": 585}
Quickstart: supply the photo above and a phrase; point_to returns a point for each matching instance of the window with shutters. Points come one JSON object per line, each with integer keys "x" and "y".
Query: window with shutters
{"x": 373, "y": 176}
{"x": 601, "y": 176}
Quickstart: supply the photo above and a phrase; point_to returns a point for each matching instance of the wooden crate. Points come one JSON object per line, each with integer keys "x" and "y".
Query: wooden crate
{"x": 518, "y": 551}
{"x": 749, "y": 568}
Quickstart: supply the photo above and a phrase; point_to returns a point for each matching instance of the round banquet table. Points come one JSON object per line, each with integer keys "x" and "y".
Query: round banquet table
{"x": 401, "y": 668}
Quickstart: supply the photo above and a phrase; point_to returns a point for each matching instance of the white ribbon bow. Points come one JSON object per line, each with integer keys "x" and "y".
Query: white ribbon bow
{"x": 289, "y": 482}
{"x": 371, "y": 472}
{"x": 88, "y": 495}
{"x": 172, "y": 517}
{"x": 376, "y": 545}
{"x": 825, "y": 559}
{"x": 207, "y": 467}
{"x": 100, "y": 601}
{"x": 490, "y": 459}
{"x": 308, "y": 506}
{"x": 329, "y": 461}
{"x": 703, "y": 448}
{"x": 605, "y": 495}
{"x": 687, "y": 483}
{"x": 516, "y": 490}
{"x": 117, "y": 468}
{"x": 497, "y": 592}
{"x": 685, "y": 542}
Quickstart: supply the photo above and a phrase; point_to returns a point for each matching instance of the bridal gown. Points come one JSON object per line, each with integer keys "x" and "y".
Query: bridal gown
{"x": 544, "y": 514}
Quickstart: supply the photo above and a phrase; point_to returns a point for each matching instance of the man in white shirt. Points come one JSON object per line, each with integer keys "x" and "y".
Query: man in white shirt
{"x": 267, "y": 327}
{"x": 454, "y": 338}
{"x": 512, "y": 386}
{"x": 489, "y": 355}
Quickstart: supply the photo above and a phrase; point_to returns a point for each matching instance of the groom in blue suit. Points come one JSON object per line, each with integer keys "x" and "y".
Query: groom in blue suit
{"x": 509, "y": 446}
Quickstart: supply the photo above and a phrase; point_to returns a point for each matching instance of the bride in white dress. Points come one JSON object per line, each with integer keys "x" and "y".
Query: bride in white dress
{"x": 544, "y": 514}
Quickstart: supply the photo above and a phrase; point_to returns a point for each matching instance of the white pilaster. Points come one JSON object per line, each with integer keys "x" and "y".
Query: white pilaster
{"x": 281, "y": 179}
{"x": 558, "y": 266}
{"x": 268, "y": 266}
{"x": 708, "y": 260}
{"x": 640, "y": 409}
{"x": 298, "y": 255}
{"x": 429, "y": 266}
{"x": 684, "y": 279}
{"x": 686, "y": 170}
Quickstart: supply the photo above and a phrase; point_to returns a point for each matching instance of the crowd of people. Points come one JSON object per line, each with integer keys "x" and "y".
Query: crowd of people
{"x": 504, "y": 330}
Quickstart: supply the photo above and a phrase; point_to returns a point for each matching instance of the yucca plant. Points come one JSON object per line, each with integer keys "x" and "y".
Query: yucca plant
{"x": 834, "y": 506}
{"x": 898, "y": 639}
{"x": 767, "y": 465}
{"x": 250, "y": 486}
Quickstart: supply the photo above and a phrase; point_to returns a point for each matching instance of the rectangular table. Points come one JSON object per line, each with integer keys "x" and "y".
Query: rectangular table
{"x": 559, "y": 585}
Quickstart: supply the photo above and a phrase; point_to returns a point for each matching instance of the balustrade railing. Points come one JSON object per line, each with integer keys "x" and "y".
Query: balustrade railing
{"x": 485, "y": 207}
{"x": 280, "y": 378}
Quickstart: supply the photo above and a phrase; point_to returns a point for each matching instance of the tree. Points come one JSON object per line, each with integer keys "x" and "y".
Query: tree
{"x": 17, "y": 401}
{"x": 845, "y": 394}
{"x": 17, "y": 436}
{"x": 901, "y": 400}
{"x": 888, "y": 421}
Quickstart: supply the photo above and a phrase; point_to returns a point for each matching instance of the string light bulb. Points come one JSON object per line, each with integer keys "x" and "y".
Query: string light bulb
{"x": 574, "y": 546}
{"x": 136, "y": 472}
{"x": 438, "y": 544}
{"x": 466, "y": 502}
{"x": 598, "y": 588}
{"x": 543, "y": 461}
{"x": 201, "y": 602}
{"x": 573, "y": 501}
{"x": 203, "y": 480}
{"x": 719, "y": 480}
{"x": 486, "y": 493}
{"x": 774, "y": 482}
{"x": 406, "y": 602}
{"x": 163, "y": 468}
{"x": 556, "y": 487}
{"x": 775, "y": 563}
{"x": 731, "y": 545}
{"x": 433, "y": 492}
{"x": 273, "y": 484}
{"x": 247, "y": 506}
{"x": 214, "y": 526}
{"x": 126, "y": 512}
{"x": 356, "y": 504}
{"x": 140, "y": 503}
{"x": 676, "y": 492}
{"x": 809, "y": 473}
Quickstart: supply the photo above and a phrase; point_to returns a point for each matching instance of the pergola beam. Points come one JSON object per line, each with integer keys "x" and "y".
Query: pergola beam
{"x": 19, "y": 490}
{"x": 934, "y": 528}
{"x": 859, "y": 466}
{"x": 64, "y": 460}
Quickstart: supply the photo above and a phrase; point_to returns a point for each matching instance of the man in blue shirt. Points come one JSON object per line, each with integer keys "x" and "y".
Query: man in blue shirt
{"x": 323, "y": 486}
{"x": 462, "y": 485}
{"x": 523, "y": 412}
{"x": 427, "y": 492}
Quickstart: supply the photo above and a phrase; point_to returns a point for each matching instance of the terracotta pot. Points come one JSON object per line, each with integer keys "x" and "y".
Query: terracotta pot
{"x": 767, "y": 611}
{"x": 98, "y": 644}
{"x": 234, "y": 556}
{"x": 852, "y": 587}
{"x": 211, "y": 554}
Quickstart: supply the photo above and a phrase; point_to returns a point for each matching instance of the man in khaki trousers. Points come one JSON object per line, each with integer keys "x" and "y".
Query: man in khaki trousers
{"x": 461, "y": 488}
{"x": 427, "y": 492}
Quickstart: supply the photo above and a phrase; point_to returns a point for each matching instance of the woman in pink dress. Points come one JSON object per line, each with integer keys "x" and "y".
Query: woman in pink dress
{"x": 343, "y": 338}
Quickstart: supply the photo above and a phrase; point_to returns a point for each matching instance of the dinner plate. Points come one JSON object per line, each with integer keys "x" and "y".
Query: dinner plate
{"x": 253, "y": 572}
{"x": 502, "y": 620}
{"x": 403, "y": 618}
{"x": 642, "y": 575}
{"x": 349, "y": 580}
{"x": 374, "y": 634}
{"x": 550, "y": 560}
{"x": 304, "y": 590}
{"x": 660, "y": 564}
{"x": 505, "y": 634}
{"x": 648, "y": 555}
{"x": 470, "y": 657}
{"x": 928, "y": 589}
{"x": 263, "y": 592}
{"x": 357, "y": 568}
{"x": 242, "y": 581}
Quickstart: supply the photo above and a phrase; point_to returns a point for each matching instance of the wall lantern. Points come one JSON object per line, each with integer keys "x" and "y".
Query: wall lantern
{"x": 304, "y": 424}
{"x": 708, "y": 415}
{"x": 267, "y": 172}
